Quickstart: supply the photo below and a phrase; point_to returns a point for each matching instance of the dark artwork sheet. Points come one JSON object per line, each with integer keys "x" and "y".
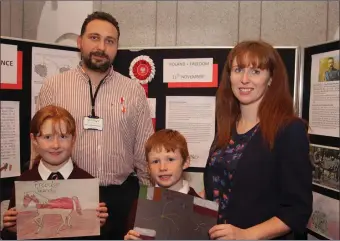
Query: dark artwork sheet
{"x": 165, "y": 214}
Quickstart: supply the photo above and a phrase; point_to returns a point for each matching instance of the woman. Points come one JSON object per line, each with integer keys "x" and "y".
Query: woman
{"x": 258, "y": 168}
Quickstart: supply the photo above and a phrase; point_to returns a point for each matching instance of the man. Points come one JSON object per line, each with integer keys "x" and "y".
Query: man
{"x": 332, "y": 74}
{"x": 112, "y": 116}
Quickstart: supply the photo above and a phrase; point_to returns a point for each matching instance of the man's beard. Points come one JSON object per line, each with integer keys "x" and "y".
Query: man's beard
{"x": 101, "y": 67}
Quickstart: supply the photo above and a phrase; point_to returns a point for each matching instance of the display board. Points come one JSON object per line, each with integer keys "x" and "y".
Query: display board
{"x": 320, "y": 107}
{"x": 166, "y": 96}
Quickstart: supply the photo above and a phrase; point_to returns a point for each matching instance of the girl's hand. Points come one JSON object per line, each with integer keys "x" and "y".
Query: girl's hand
{"x": 102, "y": 213}
{"x": 10, "y": 218}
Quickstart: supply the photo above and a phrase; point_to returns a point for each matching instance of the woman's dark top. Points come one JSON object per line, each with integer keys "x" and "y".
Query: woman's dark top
{"x": 252, "y": 183}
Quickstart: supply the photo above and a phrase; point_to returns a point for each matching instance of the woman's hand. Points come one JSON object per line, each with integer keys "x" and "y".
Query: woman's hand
{"x": 132, "y": 235}
{"x": 102, "y": 213}
{"x": 228, "y": 231}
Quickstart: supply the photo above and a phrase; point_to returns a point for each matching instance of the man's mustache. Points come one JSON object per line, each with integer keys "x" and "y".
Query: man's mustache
{"x": 99, "y": 54}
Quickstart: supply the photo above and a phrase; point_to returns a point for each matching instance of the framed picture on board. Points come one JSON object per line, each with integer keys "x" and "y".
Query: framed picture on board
{"x": 320, "y": 92}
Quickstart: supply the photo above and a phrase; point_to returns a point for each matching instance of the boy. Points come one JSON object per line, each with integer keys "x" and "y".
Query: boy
{"x": 52, "y": 133}
{"x": 167, "y": 156}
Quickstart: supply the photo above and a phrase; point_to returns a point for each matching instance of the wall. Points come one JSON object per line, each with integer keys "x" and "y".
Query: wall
{"x": 179, "y": 23}
{"x": 55, "y": 25}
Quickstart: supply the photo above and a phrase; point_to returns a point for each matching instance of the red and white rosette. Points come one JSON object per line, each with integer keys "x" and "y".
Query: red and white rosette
{"x": 142, "y": 69}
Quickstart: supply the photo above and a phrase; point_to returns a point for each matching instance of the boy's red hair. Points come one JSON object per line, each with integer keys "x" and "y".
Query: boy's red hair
{"x": 168, "y": 139}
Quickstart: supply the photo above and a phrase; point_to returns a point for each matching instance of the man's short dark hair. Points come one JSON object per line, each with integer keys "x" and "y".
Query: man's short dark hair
{"x": 99, "y": 16}
{"x": 330, "y": 58}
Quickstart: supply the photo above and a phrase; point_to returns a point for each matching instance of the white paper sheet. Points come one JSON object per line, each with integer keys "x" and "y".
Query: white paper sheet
{"x": 9, "y": 69}
{"x": 152, "y": 106}
{"x": 76, "y": 199}
{"x": 3, "y": 208}
{"x": 194, "y": 118}
{"x": 10, "y": 139}
{"x": 195, "y": 180}
{"x": 325, "y": 217}
{"x": 188, "y": 70}
{"x": 324, "y": 95}
{"x": 47, "y": 63}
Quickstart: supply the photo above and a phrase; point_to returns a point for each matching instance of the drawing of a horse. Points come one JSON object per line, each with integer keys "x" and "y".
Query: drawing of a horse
{"x": 63, "y": 206}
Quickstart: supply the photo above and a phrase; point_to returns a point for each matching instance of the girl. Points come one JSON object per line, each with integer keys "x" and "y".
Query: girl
{"x": 53, "y": 135}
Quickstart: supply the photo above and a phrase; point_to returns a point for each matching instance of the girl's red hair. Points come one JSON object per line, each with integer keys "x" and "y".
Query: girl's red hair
{"x": 56, "y": 114}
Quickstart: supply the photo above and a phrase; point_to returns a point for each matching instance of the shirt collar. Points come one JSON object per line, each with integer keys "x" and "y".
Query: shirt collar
{"x": 82, "y": 73}
{"x": 65, "y": 170}
{"x": 185, "y": 189}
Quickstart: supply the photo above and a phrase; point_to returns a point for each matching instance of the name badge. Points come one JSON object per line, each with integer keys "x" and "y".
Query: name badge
{"x": 93, "y": 123}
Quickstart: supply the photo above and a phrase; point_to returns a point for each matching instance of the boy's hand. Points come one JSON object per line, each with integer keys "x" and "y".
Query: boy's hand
{"x": 10, "y": 218}
{"x": 202, "y": 194}
{"x": 102, "y": 213}
{"x": 132, "y": 235}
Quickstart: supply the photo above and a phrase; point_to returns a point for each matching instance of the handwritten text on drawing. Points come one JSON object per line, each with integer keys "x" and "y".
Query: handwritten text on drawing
{"x": 43, "y": 187}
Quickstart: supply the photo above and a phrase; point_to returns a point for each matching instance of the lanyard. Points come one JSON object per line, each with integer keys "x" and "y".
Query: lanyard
{"x": 93, "y": 97}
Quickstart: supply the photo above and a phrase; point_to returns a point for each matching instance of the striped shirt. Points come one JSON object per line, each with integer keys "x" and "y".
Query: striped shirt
{"x": 118, "y": 150}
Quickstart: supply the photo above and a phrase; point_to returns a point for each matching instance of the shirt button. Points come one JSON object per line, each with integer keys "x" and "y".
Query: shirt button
{"x": 99, "y": 147}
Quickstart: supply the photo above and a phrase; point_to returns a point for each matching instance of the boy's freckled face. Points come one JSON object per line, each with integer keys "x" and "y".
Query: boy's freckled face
{"x": 165, "y": 167}
{"x": 53, "y": 144}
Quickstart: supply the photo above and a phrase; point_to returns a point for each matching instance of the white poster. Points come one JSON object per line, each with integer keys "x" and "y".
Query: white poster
{"x": 324, "y": 94}
{"x": 49, "y": 62}
{"x": 152, "y": 106}
{"x": 188, "y": 70}
{"x": 3, "y": 208}
{"x": 325, "y": 217}
{"x": 10, "y": 139}
{"x": 195, "y": 180}
{"x": 194, "y": 118}
{"x": 9, "y": 68}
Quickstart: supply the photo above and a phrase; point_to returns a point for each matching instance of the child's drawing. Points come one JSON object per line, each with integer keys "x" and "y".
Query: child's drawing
{"x": 174, "y": 215}
{"x": 57, "y": 208}
{"x": 63, "y": 206}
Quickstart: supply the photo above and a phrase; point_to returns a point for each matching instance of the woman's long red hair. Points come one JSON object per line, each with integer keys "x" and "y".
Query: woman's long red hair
{"x": 276, "y": 108}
